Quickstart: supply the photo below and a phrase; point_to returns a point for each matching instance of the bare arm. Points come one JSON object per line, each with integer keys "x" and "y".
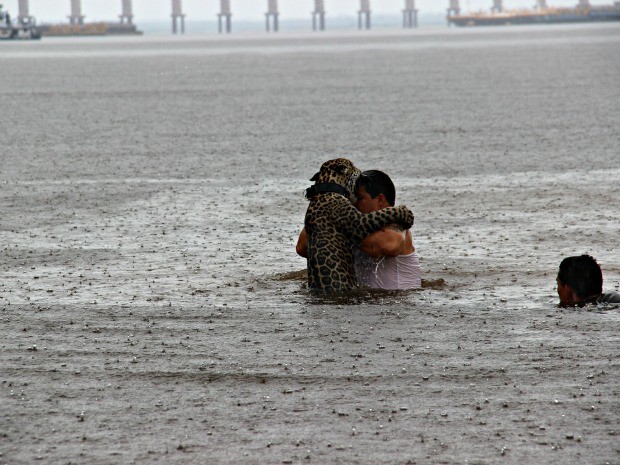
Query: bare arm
{"x": 302, "y": 244}
{"x": 388, "y": 242}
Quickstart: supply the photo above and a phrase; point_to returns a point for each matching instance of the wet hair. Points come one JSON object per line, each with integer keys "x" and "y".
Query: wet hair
{"x": 582, "y": 274}
{"x": 376, "y": 182}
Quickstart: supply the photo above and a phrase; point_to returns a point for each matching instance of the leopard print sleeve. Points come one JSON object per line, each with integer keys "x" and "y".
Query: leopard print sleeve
{"x": 357, "y": 225}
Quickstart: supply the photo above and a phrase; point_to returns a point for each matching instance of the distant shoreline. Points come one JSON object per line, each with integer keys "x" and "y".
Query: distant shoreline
{"x": 206, "y": 26}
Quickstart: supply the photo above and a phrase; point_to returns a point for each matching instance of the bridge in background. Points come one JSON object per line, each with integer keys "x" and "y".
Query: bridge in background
{"x": 409, "y": 13}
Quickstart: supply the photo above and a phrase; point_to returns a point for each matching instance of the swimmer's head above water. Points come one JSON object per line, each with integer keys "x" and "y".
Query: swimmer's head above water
{"x": 579, "y": 281}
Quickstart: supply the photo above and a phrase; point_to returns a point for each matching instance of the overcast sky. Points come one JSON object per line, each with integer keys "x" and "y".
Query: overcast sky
{"x": 146, "y": 10}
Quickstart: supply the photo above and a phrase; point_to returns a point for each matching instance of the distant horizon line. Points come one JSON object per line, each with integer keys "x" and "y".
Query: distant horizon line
{"x": 392, "y": 17}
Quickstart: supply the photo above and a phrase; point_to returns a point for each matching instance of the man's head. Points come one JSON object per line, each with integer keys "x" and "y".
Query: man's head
{"x": 579, "y": 279}
{"x": 374, "y": 190}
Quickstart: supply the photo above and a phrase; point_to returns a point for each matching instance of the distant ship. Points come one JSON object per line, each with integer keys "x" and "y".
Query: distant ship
{"x": 16, "y": 29}
{"x": 578, "y": 14}
{"x": 88, "y": 29}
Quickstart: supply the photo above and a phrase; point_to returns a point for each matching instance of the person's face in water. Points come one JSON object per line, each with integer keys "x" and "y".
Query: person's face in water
{"x": 366, "y": 204}
{"x": 566, "y": 294}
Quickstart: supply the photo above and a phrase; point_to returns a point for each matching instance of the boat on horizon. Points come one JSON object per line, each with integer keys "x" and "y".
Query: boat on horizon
{"x": 17, "y": 29}
{"x": 579, "y": 14}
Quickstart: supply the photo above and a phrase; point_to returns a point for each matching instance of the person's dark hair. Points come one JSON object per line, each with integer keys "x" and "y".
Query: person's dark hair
{"x": 583, "y": 275}
{"x": 376, "y": 182}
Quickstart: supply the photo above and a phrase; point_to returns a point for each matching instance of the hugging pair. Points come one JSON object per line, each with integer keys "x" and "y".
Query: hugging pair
{"x": 353, "y": 235}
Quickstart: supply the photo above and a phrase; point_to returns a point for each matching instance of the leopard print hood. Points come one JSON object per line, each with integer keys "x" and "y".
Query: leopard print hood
{"x": 338, "y": 175}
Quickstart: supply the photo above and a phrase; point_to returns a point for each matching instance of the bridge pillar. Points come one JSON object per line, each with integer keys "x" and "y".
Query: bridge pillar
{"x": 177, "y": 16}
{"x": 226, "y": 14}
{"x": 272, "y": 13}
{"x": 498, "y": 6}
{"x": 364, "y": 13}
{"x": 24, "y": 13}
{"x": 76, "y": 13}
{"x": 584, "y": 4}
{"x": 541, "y": 4}
{"x": 454, "y": 9}
{"x": 127, "y": 12}
{"x": 319, "y": 12}
{"x": 410, "y": 15}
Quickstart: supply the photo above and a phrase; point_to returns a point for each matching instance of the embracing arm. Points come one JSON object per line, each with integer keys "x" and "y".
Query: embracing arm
{"x": 388, "y": 242}
{"x": 368, "y": 223}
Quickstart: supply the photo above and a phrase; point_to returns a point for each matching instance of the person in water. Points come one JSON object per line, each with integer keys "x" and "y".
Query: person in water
{"x": 580, "y": 282}
{"x": 386, "y": 259}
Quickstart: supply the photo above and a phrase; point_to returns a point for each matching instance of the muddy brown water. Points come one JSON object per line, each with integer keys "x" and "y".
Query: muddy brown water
{"x": 152, "y": 307}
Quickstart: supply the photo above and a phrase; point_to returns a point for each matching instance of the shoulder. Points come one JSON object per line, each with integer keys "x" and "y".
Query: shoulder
{"x": 388, "y": 233}
{"x": 609, "y": 298}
